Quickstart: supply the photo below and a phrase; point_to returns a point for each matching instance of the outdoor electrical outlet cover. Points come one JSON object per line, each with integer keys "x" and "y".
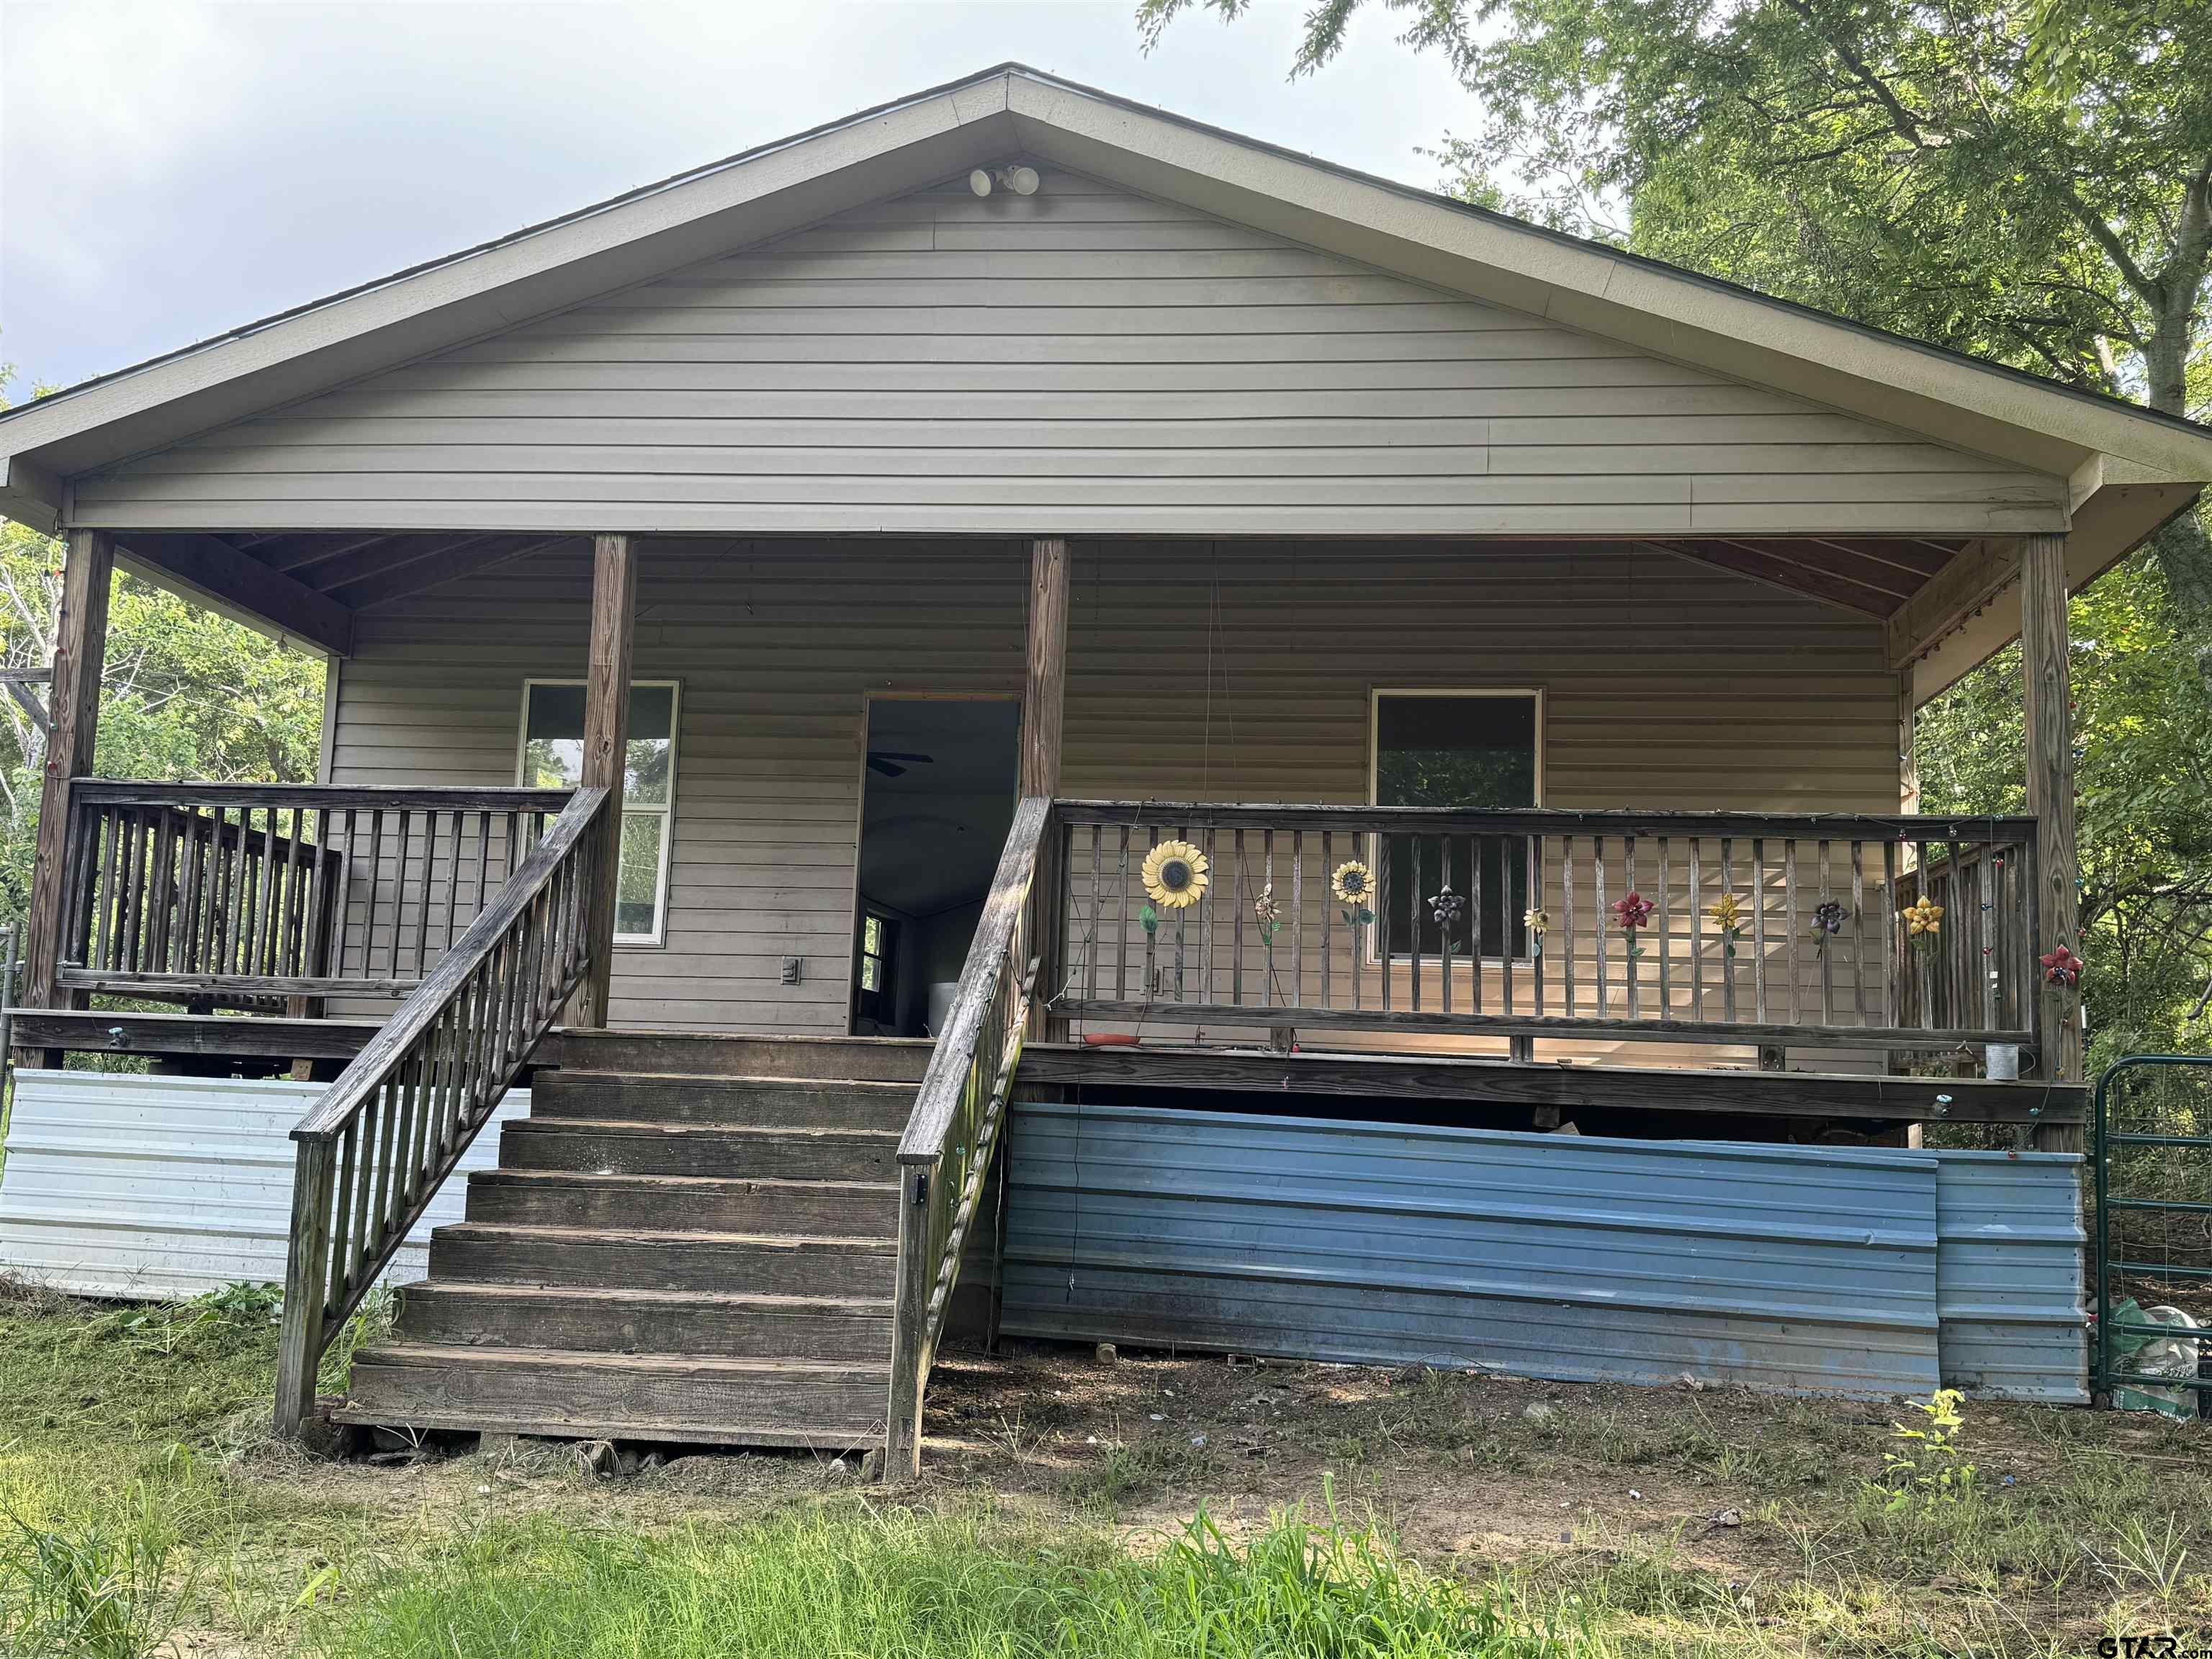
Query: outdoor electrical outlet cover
{"x": 791, "y": 970}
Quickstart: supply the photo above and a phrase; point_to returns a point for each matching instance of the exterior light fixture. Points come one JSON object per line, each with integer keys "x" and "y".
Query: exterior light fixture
{"x": 1023, "y": 181}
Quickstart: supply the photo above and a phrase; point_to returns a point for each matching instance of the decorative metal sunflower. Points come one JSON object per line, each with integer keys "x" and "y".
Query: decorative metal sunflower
{"x": 1176, "y": 875}
{"x": 1353, "y": 884}
{"x": 1537, "y": 922}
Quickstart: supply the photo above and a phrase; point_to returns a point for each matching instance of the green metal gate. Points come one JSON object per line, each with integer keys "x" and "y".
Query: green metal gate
{"x": 2151, "y": 1158}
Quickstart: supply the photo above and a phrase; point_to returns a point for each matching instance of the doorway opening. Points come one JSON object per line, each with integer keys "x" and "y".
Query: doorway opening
{"x": 937, "y": 799}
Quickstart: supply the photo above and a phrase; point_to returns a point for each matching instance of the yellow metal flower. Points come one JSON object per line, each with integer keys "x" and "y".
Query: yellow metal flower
{"x": 1923, "y": 916}
{"x": 1353, "y": 882}
{"x": 1175, "y": 875}
{"x": 1536, "y": 921}
{"x": 1727, "y": 914}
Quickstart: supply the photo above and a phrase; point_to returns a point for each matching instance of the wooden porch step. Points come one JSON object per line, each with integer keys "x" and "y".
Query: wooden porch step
{"x": 618, "y": 1147}
{"x": 733, "y": 1326}
{"x": 882, "y": 1060}
{"x": 780, "y": 1264}
{"x": 567, "y": 1198}
{"x": 665, "y": 1397}
{"x": 750, "y": 1102}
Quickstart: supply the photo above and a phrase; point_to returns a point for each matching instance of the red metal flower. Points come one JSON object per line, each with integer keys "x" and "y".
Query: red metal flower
{"x": 1634, "y": 911}
{"x": 2062, "y": 967}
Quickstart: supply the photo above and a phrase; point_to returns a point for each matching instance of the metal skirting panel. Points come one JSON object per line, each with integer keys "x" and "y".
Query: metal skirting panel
{"x": 1551, "y": 1255}
{"x": 1848, "y": 1270}
{"x": 161, "y": 1186}
{"x": 2008, "y": 1274}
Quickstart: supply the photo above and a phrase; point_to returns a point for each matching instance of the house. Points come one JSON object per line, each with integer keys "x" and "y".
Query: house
{"x": 1014, "y": 594}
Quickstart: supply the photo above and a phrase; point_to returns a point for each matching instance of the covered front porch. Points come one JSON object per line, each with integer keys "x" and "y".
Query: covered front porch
{"x": 1430, "y": 913}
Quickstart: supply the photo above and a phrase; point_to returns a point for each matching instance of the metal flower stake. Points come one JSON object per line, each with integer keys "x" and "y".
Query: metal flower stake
{"x": 1727, "y": 915}
{"x": 1447, "y": 906}
{"x": 1634, "y": 913}
{"x": 1176, "y": 875}
{"x": 1924, "y": 921}
{"x": 1353, "y": 884}
{"x": 1828, "y": 919}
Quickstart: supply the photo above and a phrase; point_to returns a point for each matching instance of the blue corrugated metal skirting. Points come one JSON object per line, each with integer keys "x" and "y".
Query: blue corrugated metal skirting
{"x": 1815, "y": 1269}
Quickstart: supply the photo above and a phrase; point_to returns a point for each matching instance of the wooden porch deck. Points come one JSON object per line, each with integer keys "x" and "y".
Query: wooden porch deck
{"x": 224, "y": 1044}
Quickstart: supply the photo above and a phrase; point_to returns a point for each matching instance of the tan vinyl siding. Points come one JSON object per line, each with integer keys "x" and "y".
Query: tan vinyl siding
{"x": 1224, "y": 670}
{"x": 1083, "y": 360}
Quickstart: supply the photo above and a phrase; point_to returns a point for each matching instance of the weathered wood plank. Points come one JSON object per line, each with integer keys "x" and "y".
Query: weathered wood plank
{"x": 80, "y": 654}
{"x": 606, "y": 734}
{"x": 2046, "y": 684}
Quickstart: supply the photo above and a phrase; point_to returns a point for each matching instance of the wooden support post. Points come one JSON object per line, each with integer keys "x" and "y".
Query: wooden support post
{"x": 606, "y": 746}
{"x": 80, "y": 657}
{"x": 910, "y": 1366}
{"x": 1044, "y": 691}
{"x": 2048, "y": 705}
{"x": 1044, "y": 694}
{"x": 1895, "y": 1062}
{"x": 307, "y": 1277}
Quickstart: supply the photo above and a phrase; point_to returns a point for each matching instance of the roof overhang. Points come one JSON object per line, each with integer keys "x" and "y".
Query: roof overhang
{"x": 2129, "y": 468}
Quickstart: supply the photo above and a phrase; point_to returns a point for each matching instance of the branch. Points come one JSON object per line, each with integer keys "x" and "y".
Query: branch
{"x": 1910, "y": 126}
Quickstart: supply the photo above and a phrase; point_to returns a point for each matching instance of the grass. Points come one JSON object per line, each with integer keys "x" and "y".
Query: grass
{"x": 868, "y": 1582}
{"x": 1156, "y": 1507}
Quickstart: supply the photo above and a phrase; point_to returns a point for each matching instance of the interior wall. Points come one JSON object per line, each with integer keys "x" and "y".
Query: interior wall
{"x": 1196, "y": 670}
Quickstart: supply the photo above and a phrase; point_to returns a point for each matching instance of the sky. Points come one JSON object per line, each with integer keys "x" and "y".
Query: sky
{"x": 170, "y": 170}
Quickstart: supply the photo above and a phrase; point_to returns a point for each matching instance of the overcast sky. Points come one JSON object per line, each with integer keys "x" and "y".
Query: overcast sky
{"x": 169, "y": 170}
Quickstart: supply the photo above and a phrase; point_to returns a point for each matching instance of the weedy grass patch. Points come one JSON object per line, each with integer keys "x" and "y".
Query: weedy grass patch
{"x": 860, "y": 1582}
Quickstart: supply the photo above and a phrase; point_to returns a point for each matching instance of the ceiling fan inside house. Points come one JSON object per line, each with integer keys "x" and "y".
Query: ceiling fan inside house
{"x": 892, "y": 763}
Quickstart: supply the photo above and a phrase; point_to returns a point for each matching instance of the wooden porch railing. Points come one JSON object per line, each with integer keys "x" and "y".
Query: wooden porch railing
{"x": 1739, "y": 927}
{"x": 387, "y": 1133}
{"x": 953, "y": 1131}
{"x": 236, "y": 893}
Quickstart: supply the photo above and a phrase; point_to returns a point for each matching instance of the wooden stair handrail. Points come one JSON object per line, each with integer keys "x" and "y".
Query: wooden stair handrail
{"x": 402, "y": 1114}
{"x": 939, "y": 1095}
{"x": 953, "y": 1130}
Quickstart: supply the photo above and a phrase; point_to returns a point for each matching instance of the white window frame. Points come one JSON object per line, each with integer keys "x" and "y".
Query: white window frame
{"x": 659, "y": 936}
{"x": 1375, "y": 696}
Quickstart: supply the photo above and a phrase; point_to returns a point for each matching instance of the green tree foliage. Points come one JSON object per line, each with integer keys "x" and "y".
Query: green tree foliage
{"x": 2027, "y": 181}
{"x": 2144, "y": 797}
{"x": 187, "y": 693}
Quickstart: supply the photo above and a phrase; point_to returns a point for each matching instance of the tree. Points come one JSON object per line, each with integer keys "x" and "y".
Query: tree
{"x": 2027, "y": 181}
{"x": 186, "y": 694}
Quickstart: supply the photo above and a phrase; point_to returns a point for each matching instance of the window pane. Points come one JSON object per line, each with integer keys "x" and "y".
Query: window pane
{"x": 1474, "y": 752}
{"x": 871, "y": 974}
{"x": 1456, "y": 751}
{"x": 553, "y": 732}
{"x": 637, "y": 886}
{"x": 652, "y": 743}
{"x": 652, "y": 711}
{"x": 871, "y": 937}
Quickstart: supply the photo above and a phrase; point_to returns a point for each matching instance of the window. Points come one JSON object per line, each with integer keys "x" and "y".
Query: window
{"x": 553, "y": 758}
{"x": 875, "y": 973}
{"x": 1470, "y": 748}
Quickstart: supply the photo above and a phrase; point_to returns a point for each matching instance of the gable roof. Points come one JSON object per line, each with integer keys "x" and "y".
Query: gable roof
{"x": 2127, "y": 468}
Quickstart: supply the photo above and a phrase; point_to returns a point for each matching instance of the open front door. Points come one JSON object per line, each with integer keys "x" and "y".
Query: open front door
{"x": 936, "y": 801}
